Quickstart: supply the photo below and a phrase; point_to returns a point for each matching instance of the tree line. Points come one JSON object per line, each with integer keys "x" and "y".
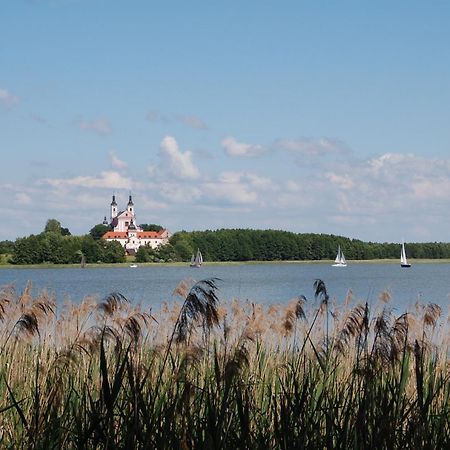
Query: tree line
{"x": 276, "y": 245}
{"x": 56, "y": 245}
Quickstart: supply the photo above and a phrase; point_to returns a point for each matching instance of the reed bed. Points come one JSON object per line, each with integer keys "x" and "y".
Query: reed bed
{"x": 205, "y": 374}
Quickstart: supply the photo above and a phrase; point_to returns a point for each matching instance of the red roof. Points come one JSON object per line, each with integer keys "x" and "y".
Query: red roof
{"x": 115, "y": 235}
{"x": 140, "y": 234}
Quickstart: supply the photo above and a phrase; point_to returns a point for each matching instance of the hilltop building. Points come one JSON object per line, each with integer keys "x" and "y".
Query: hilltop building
{"x": 125, "y": 231}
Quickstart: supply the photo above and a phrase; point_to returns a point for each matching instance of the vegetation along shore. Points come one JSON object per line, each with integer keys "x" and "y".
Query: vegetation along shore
{"x": 55, "y": 245}
{"x": 205, "y": 374}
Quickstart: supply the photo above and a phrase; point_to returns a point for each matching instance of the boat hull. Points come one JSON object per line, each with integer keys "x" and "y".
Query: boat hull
{"x": 405, "y": 265}
{"x": 339, "y": 265}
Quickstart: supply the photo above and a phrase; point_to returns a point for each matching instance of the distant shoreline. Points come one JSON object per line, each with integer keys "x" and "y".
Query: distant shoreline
{"x": 217, "y": 263}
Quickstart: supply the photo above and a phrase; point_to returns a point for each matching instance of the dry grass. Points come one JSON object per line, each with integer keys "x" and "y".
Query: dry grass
{"x": 204, "y": 374}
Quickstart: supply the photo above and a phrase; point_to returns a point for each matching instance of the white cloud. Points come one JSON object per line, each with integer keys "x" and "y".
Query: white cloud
{"x": 341, "y": 181}
{"x": 116, "y": 162}
{"x": 107, "y": 179}
{"x": 232, "y": 187}
{"x": 21, "y": 198}
{"x": 235, "y": 148}
{"x": 312, "y": 147}
{"x": 176, "y": 192}
{"x": 7, "y": 99}
{"x": 180, "y": 164}
{"x": 261, "y": 183}
{"x": 99, "y": 126}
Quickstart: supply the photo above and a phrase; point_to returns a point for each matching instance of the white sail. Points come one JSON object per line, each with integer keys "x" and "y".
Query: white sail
{"x": 403, "y": 255}
{"x": 340, "y": 260}
{"x": 197, "y": 260}
{"x": 338, "y": 256}
{"x": 403, "y": 259}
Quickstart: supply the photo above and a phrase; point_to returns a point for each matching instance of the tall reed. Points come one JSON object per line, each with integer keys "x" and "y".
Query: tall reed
{"x": 207, "y": 374}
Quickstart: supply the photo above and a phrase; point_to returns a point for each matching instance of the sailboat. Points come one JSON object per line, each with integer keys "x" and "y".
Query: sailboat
{"x": 340, "y": 260}
{"x": 403, "y": 260}
{"x": 197, "y": 260}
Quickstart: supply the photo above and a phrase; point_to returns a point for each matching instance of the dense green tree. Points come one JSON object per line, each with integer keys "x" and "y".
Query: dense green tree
{"x": 52, "y": 225}
{"x": 91, "y": 249}
{"x": 270, "y": 245}
{"x": 6, "y": 247}
{"x": 151, "y": 227}
{"x": 113, "y": 252}
{"x": 166, "y": 253}
{"x": 220, "y": 245}
{"x": 99, "y": 230}
{"x": 142, "y": 255}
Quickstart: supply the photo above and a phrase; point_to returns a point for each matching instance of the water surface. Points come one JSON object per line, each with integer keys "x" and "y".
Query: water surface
{"x": 263, "y": 283}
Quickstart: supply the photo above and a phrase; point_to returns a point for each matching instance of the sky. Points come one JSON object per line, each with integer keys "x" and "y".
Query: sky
{"x": 307, "y": 116}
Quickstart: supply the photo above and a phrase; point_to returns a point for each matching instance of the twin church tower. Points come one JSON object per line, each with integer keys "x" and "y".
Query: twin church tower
{"x": 125, "y": 230}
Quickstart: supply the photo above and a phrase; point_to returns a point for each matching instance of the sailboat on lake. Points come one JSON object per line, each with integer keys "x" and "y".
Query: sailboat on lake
{"x": 197, "y": 260}
{"x": 340, "y": 260}
{"x": 403, "y": 260}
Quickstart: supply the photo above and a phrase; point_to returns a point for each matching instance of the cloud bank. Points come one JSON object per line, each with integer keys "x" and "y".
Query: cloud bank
{"x": 384, "y": 197}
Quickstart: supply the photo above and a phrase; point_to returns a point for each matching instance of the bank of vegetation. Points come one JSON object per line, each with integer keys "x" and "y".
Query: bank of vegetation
{"x": 203, "y": 374}
{"x": 275, "y": 245}
{"x": 55, "y": 245}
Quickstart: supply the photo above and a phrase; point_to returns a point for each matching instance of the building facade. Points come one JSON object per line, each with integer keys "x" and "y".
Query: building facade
{"x": 125, "y": 231}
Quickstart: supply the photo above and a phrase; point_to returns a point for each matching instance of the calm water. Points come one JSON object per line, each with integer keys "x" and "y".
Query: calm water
{"x": 264, "y": 283}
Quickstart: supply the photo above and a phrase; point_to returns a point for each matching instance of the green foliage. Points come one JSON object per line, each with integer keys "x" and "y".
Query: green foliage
{"x": 6, "y": 247}
{"x": 53, "y": 246}
{"x": 54, "y": 226}
{"x": 99, "y": 230}
{"x": 150, "y": 227}
{"x": 163, "y": 253}
{"x": 113, "y": 252}
{"x": 273, "y": 245}
{"x": 145, "y": 254}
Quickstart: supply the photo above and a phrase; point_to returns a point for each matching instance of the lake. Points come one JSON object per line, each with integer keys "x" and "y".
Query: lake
{"x": 263, "y": 283}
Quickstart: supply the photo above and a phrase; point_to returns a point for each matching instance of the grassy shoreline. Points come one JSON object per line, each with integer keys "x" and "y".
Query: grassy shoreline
{"x": 217, "y": 263}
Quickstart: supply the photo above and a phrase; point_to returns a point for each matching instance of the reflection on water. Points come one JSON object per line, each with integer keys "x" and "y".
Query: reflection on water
{"x": 263, "y": 283}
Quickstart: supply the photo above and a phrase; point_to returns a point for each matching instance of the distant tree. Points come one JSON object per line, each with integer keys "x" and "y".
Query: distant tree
{"x": 65, "y": 232}
{"x": 91, "y": 249}
{"x": 27, "y": 250}
{"x": 145, "y": 254}
{"x": 99, "y": 230}
{"x": 6, "y": 247}
{"x": 167, "y": 253}
{"x": 52, "y": 225}
{"x": 113, "y": 252}
{"x": 183, "y": 245}
{"x": 151, "y": 227}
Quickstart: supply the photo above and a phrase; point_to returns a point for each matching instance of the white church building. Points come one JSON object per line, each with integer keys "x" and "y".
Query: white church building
{"x": 131, "y": 236}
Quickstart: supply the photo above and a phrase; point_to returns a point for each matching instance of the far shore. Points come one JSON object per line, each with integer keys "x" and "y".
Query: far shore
{"x": 216, "y": 263}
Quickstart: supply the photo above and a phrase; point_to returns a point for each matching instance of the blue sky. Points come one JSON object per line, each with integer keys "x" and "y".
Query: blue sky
{"x": 309, "y": 116}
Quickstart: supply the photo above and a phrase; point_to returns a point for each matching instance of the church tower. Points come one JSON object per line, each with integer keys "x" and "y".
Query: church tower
{"x": 130, "y": 206}
{"x": 113, "y": 207}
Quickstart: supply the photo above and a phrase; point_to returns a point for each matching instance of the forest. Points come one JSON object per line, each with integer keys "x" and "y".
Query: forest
{"x": 56, "y": 245}
{"x": 277, "y": 245}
